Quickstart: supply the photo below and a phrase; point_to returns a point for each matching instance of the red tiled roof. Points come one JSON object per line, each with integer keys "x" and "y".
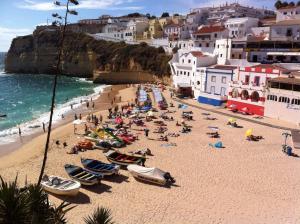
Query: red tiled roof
{"x": 197, "y": 54}
{"x": 210, "y": 29}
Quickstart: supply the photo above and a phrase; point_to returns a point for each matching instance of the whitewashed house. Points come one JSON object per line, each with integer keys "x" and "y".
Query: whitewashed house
{"x": 288, "y": 13}
{"x": 240, "y": 27}
{"x": 206, "y": 36}
{"x": 283, "y": 98}
{"x": 188, "y": 70}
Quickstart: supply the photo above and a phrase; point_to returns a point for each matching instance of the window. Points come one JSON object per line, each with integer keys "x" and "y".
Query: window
{"x": 272, "y": 97}
{"x": 207, "y": 44}
{"x": 188, "y": 73}
{"x": 180, "y": 72}
{"x": 224, "y": 79}
{"x": 221, "y": 55}
{"x": 296, "y": 101}
{"x": 182, "y": 60}
{"x": 184, "y": 73}
{"x": 213, "y": 79}
{"x": 256, "y": 81}
{"x": 232, "y": 56}
{"x": 216, "y": 35}
{"x": 189, "y": 61}
{"x": 240, "y": 56}
{"x": 247, "y": 78}
{"x": 284, "y": 99}
{"x": 198, "y": 83}
{"x": 212, "y": 90}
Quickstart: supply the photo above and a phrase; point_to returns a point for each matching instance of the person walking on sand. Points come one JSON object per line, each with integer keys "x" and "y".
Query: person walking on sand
{"x": 44, "y": 129}
{"x": 20, "y": 132}
{"x": 80, "y": 116}
{"x": 71, "y": 105}
{"x": 93, "y": 105}
{"x": 75, "y": 117}
{"x": 146, "y": 130}
{"x": 101, "y": 118}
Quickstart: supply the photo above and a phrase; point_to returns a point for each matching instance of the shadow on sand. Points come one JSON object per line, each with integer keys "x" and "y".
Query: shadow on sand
{"x": 98, "y": 188}
{"x": 168, "y": 186}
{"x": 116, "y": 178}
{"x": 80, "y": 198}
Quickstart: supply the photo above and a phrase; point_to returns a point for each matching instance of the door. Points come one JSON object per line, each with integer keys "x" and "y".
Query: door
{"x": 212, "y": 90}
{"x": 223, "y": 91}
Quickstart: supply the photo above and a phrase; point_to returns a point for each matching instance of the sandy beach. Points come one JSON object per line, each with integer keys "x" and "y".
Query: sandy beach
{"x": 244, "y": 182}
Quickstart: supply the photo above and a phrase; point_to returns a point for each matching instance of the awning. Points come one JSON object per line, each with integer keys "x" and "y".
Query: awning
{"x": 284, "y": 53}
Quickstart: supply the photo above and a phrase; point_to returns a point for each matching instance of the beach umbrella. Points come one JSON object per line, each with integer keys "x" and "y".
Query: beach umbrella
{"x": 249, "y": 132}
{"x": 119, "y": 120}
{"x": 231, "y": 120}
{"x": 78, "y": 122}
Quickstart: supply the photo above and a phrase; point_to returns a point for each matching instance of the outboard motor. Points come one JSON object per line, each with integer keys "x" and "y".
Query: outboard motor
{"x": 169, "y": 178}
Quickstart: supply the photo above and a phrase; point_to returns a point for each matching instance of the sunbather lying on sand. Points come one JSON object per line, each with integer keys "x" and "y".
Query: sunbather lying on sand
{"x": 254, "y": 138}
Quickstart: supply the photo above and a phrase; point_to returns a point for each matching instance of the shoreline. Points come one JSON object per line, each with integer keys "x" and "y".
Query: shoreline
{"x": 102, "y": 102}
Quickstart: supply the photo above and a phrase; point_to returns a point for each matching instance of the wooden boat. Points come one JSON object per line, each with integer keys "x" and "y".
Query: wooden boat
{"x": 60, "y": 186}
{"x": 85, "y": 177}
{"x": 100, "y": 167}
{"x": 153, "y": 175}
{"x": 124, "y": 159}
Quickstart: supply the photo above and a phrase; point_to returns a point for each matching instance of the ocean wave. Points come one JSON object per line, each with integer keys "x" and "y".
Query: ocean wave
{"x": 28, "y": 128}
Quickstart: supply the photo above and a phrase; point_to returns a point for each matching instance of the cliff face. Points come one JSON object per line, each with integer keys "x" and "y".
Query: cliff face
{"x": 38, "y": 53}
{"x": 83, "y": 55}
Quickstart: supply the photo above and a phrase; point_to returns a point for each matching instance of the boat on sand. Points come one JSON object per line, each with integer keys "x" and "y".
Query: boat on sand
{"x": 60, "y": 186}
{"x": 124, "y": 159}
{"x": 85, "y": 177}
{"x": 100, "y": 167}
{"x": 153, "y": 175}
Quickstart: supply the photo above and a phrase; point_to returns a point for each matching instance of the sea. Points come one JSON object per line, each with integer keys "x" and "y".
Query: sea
{"x": 25, "y": 99}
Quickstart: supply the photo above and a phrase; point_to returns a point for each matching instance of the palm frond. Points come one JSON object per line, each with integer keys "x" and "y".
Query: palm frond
{"x": 101, "y": 215}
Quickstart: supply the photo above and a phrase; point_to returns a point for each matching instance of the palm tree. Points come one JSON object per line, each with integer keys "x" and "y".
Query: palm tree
{"x": 29, "y": 205}
{"x": 100, "y": 216}
{"x": 61, "y": 44}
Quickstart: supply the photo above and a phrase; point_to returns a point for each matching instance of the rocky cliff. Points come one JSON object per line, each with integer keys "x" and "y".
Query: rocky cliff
{"x": 83, "y": 55}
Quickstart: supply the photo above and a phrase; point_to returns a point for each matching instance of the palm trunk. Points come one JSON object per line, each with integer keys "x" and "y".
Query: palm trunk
{"x": 58, "y": 70}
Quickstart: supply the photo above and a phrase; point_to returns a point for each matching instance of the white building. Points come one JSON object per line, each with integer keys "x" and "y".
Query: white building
{"x": 223, "y": 12}
{"x": 240, "y": 27}
{"x": 188, "y": 69}
{"x": 283, "y": 98}
{"x": 288, "y": 13}
{"x": 286, "y": 30}
{"x": 206, "y": 36}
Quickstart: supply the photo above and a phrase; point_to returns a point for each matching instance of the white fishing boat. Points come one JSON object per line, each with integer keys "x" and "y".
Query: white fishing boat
{"x": 60, "y": 186}
{"x": 153, "y": 175}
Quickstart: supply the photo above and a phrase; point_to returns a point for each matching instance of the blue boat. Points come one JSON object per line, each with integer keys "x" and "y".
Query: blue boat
{"x": 100, "y": 167}
{"x": 85, "y": 177}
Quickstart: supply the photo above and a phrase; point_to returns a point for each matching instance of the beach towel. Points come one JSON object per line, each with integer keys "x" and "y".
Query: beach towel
{"x": 217, "y": 145}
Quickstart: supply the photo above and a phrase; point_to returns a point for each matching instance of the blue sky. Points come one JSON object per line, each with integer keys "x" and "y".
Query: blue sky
{"x": 19, "y": 17}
